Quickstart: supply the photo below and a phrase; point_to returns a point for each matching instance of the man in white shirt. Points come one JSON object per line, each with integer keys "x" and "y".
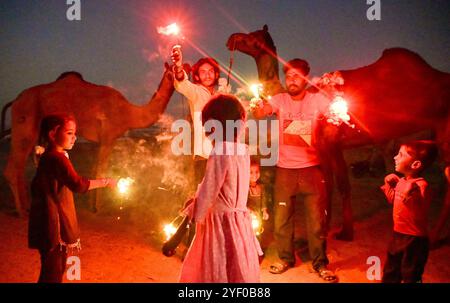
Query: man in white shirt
{"x": 205, "y": 79}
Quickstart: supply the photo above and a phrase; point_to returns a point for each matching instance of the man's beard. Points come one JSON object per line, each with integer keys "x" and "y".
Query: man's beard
{"x": 295, "y": 90}
{"x": 208, "y": 83}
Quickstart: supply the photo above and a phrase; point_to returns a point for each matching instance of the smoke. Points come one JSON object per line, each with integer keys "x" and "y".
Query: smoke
{"x": 162, "y": 181}
{"x": 161, "y": 53}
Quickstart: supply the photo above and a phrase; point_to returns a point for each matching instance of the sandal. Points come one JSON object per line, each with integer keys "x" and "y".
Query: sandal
{"x": 327, "y": 275}
{"x": 279, "y": 267}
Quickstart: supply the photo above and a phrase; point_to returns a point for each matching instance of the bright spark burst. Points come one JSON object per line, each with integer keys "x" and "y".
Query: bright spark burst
{"x": 256, "y": 90}
{"x": 171, "y": 29}
{"x": 339, "y": 111}
{"x": 124, "y": 184}
{"x": 256, "y": 224}
{"x": 169, "y": 230}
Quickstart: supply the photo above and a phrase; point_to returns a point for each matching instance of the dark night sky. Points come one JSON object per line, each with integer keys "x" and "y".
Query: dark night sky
{"x": 116, "y": 42}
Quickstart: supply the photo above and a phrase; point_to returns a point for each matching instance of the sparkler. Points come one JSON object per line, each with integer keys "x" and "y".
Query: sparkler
{"x": 169, "y": 230}
{"x": 256, "y": 89}
{"x": 257, "y": 225}
{"x": 174, "y": 235}
{"x": 171, "y": 29}
{"x": 338, "y": 112}
{"x": 123, "y": 186}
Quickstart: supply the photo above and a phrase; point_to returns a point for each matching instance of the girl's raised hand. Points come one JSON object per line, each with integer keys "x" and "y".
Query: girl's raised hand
{"x": 111, "y": 183}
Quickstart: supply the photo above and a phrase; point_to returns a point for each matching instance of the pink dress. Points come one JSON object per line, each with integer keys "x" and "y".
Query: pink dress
{"x": 224, "y": 248}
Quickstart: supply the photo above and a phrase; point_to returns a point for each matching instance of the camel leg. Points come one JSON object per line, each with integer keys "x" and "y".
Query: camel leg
{"x": 99, "y": 172}
{"x": 442, "y": 138}
{"x": 329, "y": 181}
{"x": 344, "y": 188}
{"x": 443, "y": 216}
{"x": 21, "y": 146}
{"x": 334, "y": 165}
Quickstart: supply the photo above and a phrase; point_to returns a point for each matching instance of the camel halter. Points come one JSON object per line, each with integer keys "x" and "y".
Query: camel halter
{"x": 231, "y": 62}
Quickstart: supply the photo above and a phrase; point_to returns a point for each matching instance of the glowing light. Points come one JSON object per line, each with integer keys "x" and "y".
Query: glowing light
{"x": 339, "y": 112}
{"x": 256, "y": 224}
{"x": 171, "y": 29}
{"x": 339, "y": 108}
{"x": 39, "y": 150}
{"x": 256, "y": 90}
{"x": 169, "y": 230}
{"x": 123, "y": 185}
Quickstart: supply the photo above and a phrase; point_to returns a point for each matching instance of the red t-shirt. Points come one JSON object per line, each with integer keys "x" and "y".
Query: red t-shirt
{"x": 297, "y": 121}
{"x": 411, "y": 199}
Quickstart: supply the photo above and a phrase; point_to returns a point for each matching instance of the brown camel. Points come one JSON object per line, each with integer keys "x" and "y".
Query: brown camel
{"x": 398, "y": 95}
{"x": 103, "y": 114}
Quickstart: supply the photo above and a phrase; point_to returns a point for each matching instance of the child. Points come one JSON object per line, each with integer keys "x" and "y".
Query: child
{"x": 408, "y": 248}
{"x": 257, "y": 198}
{"x": 53, "y": 226}
{"x": 224, "y": 248}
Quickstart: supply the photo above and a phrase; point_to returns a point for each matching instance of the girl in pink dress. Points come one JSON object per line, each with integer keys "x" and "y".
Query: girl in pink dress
{"x": 225, "y": 248}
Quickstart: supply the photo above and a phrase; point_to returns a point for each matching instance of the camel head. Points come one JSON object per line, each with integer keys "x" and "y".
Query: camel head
{"x": 70, "y": 73}
{"x": 253, "y": 44}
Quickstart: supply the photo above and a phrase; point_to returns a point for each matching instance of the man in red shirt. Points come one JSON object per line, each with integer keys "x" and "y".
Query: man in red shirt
{"x": 298, "y": 169}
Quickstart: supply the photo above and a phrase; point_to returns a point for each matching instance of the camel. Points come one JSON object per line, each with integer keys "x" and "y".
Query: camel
{"x": 398, "y": 95}
{"x": 102, "y": 113}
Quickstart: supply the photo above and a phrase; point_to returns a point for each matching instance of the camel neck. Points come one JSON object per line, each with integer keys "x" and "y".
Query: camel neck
{"x": 268, "y": 73}
{"x": 144, "y": 116}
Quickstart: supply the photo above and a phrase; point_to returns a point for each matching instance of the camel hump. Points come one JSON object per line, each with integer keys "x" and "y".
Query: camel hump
{"x": 70, "y": 74}
{"x": 400, "y": 53}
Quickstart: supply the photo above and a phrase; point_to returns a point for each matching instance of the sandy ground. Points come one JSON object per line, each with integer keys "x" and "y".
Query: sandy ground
{"x": 111, "y": 253}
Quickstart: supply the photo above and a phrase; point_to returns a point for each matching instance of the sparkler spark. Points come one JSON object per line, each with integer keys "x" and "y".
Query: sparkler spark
{"x": 124, "y": 184}
{"x": 256, "y": 90}
{"x": 339, "y": 108}
{"x": 169, "y": 230}
{"x": 171, "y": 29}
{"x": 256, "y": 224}
{"x": 339, "y": 112}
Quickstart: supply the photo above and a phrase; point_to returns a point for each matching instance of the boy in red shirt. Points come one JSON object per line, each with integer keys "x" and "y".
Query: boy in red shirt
{"x": 410, "y": 196}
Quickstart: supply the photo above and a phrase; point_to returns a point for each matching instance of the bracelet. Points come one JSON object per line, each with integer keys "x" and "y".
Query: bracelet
{"x": 179, "y": 75}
